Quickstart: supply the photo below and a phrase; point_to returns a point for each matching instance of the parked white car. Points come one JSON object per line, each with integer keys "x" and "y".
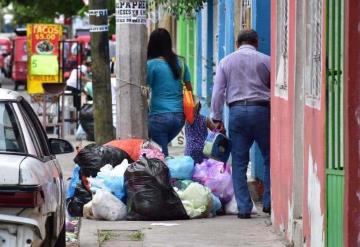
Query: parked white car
{"x": 32, "y": 208}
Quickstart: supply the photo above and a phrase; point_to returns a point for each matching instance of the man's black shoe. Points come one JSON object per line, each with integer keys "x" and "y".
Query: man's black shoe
{"x": 267, "y": 210}
{"x": 244, "y": 216}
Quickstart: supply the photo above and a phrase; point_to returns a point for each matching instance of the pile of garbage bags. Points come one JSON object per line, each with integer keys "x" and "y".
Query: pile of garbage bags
{"x": 131, "y": 180}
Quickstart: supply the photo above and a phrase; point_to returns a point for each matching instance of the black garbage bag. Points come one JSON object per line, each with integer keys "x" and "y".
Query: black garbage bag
{"x": 92, "y": 157}
{"x": 86, "y": 119}
{"x": 76, "y": 203}
{"x": 150, "y": 195}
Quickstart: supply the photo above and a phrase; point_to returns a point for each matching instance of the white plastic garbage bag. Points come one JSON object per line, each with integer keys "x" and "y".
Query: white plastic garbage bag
{"x": 105, "y": 206}
{"x": 231, "y": 207}
{"x": 120, "y": 169}
{"x": 87, "y": 211}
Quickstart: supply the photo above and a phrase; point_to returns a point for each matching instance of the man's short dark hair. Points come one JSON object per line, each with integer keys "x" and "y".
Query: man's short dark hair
{"x": 248, "y": 36}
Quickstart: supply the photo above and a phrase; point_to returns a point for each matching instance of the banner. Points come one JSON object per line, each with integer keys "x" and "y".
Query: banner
{"x": 43, "y": 52}
{"x": 131, "y": 12}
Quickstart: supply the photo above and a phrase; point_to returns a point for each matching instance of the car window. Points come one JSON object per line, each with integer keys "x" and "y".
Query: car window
{"x": 37, "y": 127}
{"x": 34, "y": 138}
{"x": 10, "y": 136}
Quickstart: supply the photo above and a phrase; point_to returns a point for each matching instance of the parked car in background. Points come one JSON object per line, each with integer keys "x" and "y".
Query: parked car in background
{"x": 19, "y": 61}
{"x": 32, "y": 199}
{"x": 5, "y": 50}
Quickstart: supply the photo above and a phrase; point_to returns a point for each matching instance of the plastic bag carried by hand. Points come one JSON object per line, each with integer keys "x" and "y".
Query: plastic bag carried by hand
{"x": 92, "y": 157}
{"x": 80, "y": 133}
{"x": 109, "y": 179}
{"x": 76, "y": 203}
{"x": 105, "y": 206}
{"x": 181, "y": 167}
{"x": 149, "y": 193}
{"x": 197, "y": 200}
{"x": 216, "y": 176}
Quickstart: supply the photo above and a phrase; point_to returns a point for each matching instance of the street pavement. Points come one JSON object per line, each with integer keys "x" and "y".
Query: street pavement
{"x": 212, "y": 232}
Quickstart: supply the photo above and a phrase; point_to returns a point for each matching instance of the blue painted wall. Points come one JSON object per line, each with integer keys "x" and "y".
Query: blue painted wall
{"x": 209, "y": 52}
{"x": 261, "y": 23}
{"x": 199, "y": 54}
{"x": 221, "y": 29}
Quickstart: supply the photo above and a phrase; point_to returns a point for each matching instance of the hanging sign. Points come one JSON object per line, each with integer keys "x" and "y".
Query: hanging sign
{"x": 131, "y": 12}
{"x": 99, "y": 28}
{"x": 98, "y": 20}
{"x": 43, "y": 52}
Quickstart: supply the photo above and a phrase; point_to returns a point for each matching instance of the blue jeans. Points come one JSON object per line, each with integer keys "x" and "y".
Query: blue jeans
{"x": 246, "y": 125}
{"x": 165, "y": 127}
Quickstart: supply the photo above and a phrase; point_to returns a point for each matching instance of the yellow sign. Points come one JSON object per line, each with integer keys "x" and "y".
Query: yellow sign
{"x": 43, "y": 52}
{"x": 44, "y": 65}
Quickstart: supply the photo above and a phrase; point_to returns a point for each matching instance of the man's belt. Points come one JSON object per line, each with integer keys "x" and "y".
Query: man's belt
{"x": 250, "y": 103}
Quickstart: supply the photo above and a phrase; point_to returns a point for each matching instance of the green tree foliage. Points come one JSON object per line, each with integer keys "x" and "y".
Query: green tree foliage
{"x": 28, "y": 11}
{"x": 180, "y": 7}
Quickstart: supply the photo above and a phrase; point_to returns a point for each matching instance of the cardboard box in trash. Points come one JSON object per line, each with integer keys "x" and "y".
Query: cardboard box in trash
{"x": 179, "y": 140}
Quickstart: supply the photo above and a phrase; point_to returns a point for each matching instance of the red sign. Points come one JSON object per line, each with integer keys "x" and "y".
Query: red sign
{"x": 45, "y": 39}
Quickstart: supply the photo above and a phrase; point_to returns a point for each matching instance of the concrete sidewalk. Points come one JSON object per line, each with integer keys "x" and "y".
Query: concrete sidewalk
{"x": 218, "y": 231}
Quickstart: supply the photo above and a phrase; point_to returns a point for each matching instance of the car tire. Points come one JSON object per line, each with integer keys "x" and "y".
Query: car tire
{"x": 49, "y": 234}
{"x": 61, "y": 241}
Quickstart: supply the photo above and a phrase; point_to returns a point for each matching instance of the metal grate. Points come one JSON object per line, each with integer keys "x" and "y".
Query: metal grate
{"x": 246, "y": 14}
{"x": 313, "y": 84}
{"x": 281, "y": 84}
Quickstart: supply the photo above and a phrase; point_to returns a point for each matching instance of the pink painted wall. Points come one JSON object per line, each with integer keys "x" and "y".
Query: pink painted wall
{"x": 282, "y": 128}
{"x": 314, "y": 162}
{"x": 282, "y": 138}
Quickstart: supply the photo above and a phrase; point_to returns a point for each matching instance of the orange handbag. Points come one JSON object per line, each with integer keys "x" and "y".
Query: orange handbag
{"x": 188, "y": 98}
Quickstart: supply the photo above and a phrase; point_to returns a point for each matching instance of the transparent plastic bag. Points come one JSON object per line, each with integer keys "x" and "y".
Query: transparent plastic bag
{"x": 105, "y": 206}
{"x": 197, "y": 200}
{"x": 216, "y": 176}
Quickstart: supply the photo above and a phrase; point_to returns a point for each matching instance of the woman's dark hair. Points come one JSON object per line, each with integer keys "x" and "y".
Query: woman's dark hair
{"x": 160, "y": 46}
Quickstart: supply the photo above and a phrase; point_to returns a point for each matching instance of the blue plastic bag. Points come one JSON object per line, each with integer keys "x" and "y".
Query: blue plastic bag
{"x": 181, "y": 167}
{"x": 216, "y": 205}
{"x": 109, "y": 179}
{"x": 73, "y": 182}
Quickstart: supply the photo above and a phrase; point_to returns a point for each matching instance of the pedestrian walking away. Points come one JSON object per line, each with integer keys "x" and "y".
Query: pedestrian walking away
{"x": 242, "y": 80}
{"x": 77, "y": 77}
{"x": 164, "y": 76}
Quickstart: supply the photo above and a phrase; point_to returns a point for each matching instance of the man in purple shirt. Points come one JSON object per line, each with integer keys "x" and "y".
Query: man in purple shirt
{"x": 243, "y": 81}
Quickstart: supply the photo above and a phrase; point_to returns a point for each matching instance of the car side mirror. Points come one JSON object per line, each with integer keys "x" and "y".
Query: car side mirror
{"x": 60, "y": 146}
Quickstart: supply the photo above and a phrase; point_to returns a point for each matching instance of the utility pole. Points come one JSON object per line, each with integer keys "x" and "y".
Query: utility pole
{"x": 131, "y": 43}
{"x": 101, "y": 71}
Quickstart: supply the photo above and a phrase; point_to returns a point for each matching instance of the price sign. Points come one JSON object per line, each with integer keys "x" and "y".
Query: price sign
{"x": 43, "y": 52}
{"x": 44, "y": 65}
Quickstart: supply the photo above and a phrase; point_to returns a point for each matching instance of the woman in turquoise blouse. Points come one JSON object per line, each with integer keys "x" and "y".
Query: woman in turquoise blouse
{"x": 165, "y": 74}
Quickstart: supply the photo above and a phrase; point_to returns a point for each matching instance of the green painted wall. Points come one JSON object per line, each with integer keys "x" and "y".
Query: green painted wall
{"x": 186, "y": 44}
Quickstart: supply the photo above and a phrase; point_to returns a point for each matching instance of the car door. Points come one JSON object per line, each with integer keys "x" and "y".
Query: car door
{"x": 56, "y": 186}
